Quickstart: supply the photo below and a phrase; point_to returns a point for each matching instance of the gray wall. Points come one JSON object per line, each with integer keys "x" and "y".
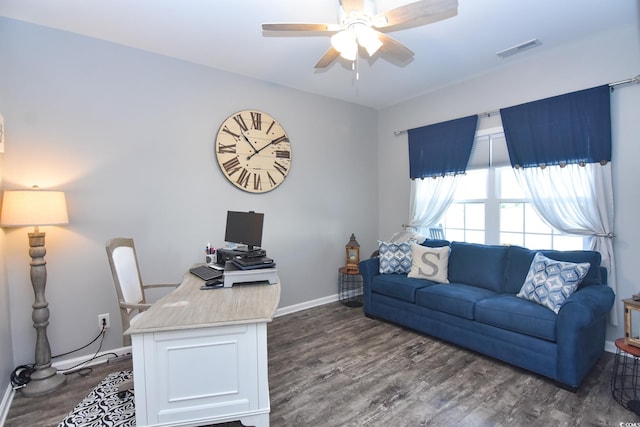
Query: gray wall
{"x": 129, "y": 137}
{"x": 6, "y": 347}
{"x": 601, "y": 59}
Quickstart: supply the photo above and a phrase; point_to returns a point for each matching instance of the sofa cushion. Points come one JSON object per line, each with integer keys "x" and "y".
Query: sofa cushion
{"x": 398, "y": 286}
{"x": 435, "y": 243}
{"x": 550, "y": 282}
{"x": 429, "y": 263}
{"x": 395, "y": 258}
{"x": 519, "y": 260}
{"x": 478, "y": 265}
{"x": 456, "y": 298}
{"x": 517, "y": 315}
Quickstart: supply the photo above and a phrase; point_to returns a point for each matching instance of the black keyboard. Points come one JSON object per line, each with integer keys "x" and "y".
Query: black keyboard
{"x": 205, "y": 273}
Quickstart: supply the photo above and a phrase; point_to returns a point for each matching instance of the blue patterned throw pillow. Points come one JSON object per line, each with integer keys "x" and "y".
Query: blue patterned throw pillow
{"x": 550, "y": 282}
{"x": 394, "y": 257}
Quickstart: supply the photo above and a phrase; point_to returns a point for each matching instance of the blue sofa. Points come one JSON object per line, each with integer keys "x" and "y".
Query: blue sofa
{"x": 478, "y": 309}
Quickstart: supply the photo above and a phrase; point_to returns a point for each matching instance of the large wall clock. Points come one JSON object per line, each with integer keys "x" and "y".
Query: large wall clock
{"x": 253, "y": 151}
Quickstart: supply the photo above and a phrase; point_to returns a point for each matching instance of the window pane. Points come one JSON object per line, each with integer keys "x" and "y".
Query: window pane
{"x": 473, "y": 236}
{"x": 475, "y": 216}
{"x": 472, "y": 186}
{"x": 567, "y": 243}
{"x": 533, "y": 223}
{"x": 454, "y": 217}
{"x": 511, "y": 217}
{"x": 455, "y": 235}
{"x": 537, "y": 241}
{"x": 509, "y": 187}
{"x": 512, "y": 239}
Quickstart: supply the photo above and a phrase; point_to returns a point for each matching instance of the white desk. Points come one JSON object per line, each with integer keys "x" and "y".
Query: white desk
{"x": 200, "y": 356}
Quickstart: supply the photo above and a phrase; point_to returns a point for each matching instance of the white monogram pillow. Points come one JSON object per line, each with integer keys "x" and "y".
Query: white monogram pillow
{"x": 429, "y": 263}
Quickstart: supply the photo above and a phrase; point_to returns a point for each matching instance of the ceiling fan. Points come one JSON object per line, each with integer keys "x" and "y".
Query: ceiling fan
{"x": 361, "y": 27}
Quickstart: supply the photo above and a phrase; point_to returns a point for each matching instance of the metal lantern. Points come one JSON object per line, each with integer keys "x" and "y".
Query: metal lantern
{"x": 352, "y": 254}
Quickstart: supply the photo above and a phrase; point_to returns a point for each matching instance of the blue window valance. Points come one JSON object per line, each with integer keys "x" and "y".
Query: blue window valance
{"x": 442, "y": 148}
{"x": 570, "y": 128}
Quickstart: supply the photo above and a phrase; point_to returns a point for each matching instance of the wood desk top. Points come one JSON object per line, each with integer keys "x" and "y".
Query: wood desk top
{"x": 189, "y": 307}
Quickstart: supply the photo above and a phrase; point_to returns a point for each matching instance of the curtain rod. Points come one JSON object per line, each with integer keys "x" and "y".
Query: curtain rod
{"x": 635, "y": 79}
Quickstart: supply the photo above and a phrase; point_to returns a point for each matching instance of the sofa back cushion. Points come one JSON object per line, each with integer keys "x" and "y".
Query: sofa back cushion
{"x": 435, "y": 243}
{"x": 519, "y": 260}
{"x": 478, "y": 265}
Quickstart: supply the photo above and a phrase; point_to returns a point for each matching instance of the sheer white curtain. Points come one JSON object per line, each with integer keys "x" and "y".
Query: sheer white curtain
{"x": 430, "y": 198}
{"x": 578, "y": 200}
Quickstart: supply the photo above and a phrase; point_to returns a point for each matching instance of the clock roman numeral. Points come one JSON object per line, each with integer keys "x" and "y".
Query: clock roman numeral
{"x": 257, "y": 183}
{"x": 227, "y": 149}
{"x": 273, "y": 122}
{"x": 280, "y": 168}
{"x": 256, "y": 120}
{"x": 283, "y": 154}
{"x": 280, "y": 139}
{"x": 271, "y": 180}
{"x": 243, "y": 179}
{"x": 232, "y": 166}
{"x": 235, "y": 135}
{"x": 240, "y": 121}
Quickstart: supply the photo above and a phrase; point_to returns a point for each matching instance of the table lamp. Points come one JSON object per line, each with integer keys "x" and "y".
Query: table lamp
{"x": 34, "y": 208}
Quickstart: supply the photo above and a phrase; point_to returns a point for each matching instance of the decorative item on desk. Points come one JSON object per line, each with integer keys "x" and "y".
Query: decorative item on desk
{"x": 353, "y": 254}
{"x": 37, "y": 207}
{"x": 210, "y": 254}
{"x": 632, "y": 322}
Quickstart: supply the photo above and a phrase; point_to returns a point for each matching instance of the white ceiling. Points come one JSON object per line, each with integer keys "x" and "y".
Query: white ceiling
{"x": 227, "y": 35}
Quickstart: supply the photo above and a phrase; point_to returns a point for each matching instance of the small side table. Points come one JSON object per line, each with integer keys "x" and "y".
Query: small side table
{"x": 350, "y": 287}
{"x": 625, "y": 377}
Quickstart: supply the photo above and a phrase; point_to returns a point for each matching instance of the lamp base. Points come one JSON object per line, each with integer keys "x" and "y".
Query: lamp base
{"x": 43, "y": 381}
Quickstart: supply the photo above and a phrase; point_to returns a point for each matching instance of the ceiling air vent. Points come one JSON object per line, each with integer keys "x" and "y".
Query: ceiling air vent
{"x": 519, "y": 48}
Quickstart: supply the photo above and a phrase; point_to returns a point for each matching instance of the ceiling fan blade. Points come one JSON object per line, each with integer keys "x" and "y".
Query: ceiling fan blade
{"x": 349, "y": 5}
{"x": 327, "y": 58}
{"x": 301, "y": 27}
{"x": 394, "y": 48}
{"x": 415, "y": 14}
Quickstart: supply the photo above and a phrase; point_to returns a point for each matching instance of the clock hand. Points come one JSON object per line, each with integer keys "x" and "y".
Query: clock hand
{"x": 250, "y": 144}
{"x": 274, "y": 142}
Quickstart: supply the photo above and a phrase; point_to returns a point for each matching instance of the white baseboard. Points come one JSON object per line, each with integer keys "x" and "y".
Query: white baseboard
{"x": 305, "y": 305}
{"x": 6, "y": 403}
{"x": 69, "y": 365}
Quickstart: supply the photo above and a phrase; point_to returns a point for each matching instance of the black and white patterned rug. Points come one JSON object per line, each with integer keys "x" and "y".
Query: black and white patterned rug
{"x": 102, "y": 407}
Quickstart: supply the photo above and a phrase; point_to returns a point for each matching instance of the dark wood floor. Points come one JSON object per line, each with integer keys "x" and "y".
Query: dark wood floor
{"x": 332, "y": 366}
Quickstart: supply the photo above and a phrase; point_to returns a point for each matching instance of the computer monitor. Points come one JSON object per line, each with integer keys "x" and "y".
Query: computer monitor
{"x": 244, "y": 228}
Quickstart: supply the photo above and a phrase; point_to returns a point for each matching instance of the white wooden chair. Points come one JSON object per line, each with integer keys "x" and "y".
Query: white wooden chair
{"x": 436, "y": 233}
{"x": 129, "y": 288}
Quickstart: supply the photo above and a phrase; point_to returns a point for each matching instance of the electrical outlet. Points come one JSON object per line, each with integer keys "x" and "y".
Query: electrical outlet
{"x": 103, "y": 319}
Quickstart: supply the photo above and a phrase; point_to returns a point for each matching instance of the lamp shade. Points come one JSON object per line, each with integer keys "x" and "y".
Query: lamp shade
{"x": 33, "y": 207}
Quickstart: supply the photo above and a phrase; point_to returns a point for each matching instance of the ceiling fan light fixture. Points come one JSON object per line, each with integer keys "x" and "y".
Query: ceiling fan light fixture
{"x": 350, "y": 54}
{"x": 368, "y": 39}
{"x": 345, "y": 43}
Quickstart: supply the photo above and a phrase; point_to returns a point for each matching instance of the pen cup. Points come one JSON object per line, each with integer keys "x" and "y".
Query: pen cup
{"x": 210, "y": 259}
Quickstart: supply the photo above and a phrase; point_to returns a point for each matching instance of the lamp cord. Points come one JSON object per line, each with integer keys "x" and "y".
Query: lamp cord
{"x": 95, "y": 355}
{"x": 102, "y": 331}
{"x": 22, "y": 374}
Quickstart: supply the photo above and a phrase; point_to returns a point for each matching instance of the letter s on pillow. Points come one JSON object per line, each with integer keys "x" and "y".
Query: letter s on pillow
{"x": 429, "y": 263}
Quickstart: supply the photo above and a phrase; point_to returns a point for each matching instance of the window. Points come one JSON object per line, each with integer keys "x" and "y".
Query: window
{"x": 489, "y": 206}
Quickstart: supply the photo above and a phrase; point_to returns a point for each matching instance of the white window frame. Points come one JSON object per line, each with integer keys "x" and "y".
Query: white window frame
{"x": 492, "y": 202}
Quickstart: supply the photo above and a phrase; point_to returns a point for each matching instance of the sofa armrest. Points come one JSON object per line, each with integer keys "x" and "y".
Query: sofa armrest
{"x": 580, "y": 331}
{"x": 586, "y": 305}
{"x": 369, "y": 268}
